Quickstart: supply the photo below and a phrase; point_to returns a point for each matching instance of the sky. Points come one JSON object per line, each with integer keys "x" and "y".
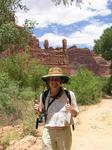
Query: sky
{"x": 80, "y": 26}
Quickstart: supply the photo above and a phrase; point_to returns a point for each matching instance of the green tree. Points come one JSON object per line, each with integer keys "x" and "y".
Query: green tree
{"x": 11, "y": 36}
{"x": 103, "y": 46}
{"x": 8, "y": 9}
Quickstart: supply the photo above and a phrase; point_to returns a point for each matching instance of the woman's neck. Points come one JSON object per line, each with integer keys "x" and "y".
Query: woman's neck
{"x": 54, "y": 91}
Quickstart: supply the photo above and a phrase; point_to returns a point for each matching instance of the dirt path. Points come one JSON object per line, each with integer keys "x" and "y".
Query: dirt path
{"x": 94, "y": 127}
{"x": 93, "y": 130}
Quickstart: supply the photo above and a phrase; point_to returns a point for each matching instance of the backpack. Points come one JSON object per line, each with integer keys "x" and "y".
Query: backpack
{"x": 45, "y": 93}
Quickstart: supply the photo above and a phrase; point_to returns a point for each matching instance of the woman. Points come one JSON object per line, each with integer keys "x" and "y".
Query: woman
{"x": 59, "y": 112}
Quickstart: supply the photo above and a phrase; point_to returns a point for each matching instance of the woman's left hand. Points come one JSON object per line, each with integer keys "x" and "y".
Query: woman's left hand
{"x": 71, "y": 109}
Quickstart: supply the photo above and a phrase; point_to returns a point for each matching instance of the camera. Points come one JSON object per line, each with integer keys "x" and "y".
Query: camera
{"x": 41, "y": 117}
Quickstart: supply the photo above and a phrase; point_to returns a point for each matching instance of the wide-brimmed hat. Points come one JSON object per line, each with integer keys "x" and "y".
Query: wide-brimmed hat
{"x": 56, "y": 72}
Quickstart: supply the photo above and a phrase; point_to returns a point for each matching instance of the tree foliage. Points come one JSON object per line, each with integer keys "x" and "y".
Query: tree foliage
{"x": 67, "y": 2}
{"x": 8, "y": 9}
{"x": 103, "y": 45}
{"x": 20, "y": 83}
{"x": 24, "y": 70}
{"x": 11, "y": 36}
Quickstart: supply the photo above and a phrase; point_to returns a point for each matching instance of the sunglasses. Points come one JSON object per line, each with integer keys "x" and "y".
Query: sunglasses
{"x": 54, "y": 79}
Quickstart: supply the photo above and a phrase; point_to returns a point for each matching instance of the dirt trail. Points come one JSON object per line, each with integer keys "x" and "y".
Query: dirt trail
{"x": 93, "y": 130}
{"x": 94, "y": 127}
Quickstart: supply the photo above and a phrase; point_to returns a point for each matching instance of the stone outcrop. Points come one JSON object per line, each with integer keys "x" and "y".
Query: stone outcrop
{"x": 70, "y": 59}
{"x": 103, "y": 65}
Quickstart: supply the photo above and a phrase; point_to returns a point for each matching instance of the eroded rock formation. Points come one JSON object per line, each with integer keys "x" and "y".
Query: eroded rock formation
{"x": 70, "y": 59}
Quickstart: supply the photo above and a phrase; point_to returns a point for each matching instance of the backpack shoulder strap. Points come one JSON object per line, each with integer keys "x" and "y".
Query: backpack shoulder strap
{"x": 68, "y": 95}
{"x": 44, "y": 95}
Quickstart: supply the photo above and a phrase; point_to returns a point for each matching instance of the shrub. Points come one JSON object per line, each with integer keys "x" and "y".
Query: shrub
{"x": 8, "y": 90}
{"x": 8, "y": 94}
{"x": 107, "y": 89}
{"x": 20, "y": 83}
{"x": 24, "y": 70}
{"x": 26, "y": 94}
{"x": 29, "y": 122}
{"x": 86, "y": 86}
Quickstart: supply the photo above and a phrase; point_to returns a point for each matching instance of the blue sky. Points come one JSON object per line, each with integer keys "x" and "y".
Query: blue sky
{"x": 80, "y": 26}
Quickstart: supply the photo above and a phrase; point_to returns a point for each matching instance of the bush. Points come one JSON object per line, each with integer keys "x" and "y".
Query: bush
{"x": 20, "y": 83}
{"x": 8, "y": 91}
{"x": 108, "y": 86}
{"x": 24, "y": 70}
{"x": 26, "y": 94}
{"x": 8, "y": 95}
{"x": 86, "y": 86}
{"x": 29, "y": 124}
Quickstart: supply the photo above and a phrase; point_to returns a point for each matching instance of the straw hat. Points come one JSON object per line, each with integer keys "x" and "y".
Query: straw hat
{"x": 56, "y": 72}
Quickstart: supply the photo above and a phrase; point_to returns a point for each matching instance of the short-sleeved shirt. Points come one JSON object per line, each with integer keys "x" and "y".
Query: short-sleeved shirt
{"x": 57, "y": 115}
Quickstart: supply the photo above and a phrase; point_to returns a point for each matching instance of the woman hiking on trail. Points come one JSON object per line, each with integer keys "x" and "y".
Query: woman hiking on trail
{"x": 60, "y": 107}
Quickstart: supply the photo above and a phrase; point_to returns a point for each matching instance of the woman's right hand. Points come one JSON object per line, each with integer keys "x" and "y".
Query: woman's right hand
{"x": 37, "y": 107}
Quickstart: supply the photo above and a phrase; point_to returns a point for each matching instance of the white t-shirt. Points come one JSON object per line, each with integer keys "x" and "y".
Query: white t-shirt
{"x": 57, "y": 115}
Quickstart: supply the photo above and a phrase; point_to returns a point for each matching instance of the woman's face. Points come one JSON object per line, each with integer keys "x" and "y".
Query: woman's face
{"x": 54, "y": 82}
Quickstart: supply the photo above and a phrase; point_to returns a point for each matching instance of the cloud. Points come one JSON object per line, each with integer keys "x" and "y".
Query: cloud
{"x": 45, "y": 12}
{"x": 71, "y": 18}
{"x": 89, "y": 33}
{"x": 85, "y": 35}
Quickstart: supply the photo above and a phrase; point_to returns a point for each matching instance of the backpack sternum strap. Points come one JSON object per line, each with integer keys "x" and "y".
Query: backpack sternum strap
{"x": 68, "y": 95}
